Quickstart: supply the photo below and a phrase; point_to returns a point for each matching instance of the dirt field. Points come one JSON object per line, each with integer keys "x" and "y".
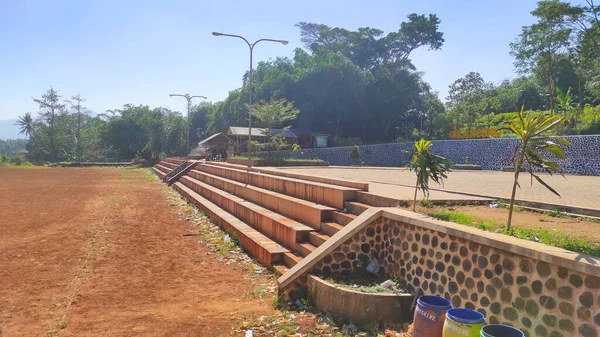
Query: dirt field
{"x": 98, "y": 252}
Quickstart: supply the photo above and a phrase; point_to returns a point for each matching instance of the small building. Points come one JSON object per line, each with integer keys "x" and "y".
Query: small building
{"x": 308, "y": 139}
{"x": 240, "y": 134}
{"x": 213, "y": 146}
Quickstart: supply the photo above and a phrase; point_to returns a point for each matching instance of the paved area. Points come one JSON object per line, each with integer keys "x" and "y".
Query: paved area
{"x": 576, "y": 191}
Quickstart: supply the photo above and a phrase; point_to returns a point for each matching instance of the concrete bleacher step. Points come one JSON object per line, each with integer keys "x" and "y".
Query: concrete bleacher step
{"x": 163, "y": 168}
{"x": 279, "y": 269}
{"x": 330, "y": 228}
{"x": 306, "y": 212}
{"x": 291, "y": 259}
{"x": 304, "y": 248}
{"x": 168, "y": 164}
{"x": 320, "y": 193}
{"x": 265, "y": 250}
{"x": 355, "y": 207}
{"x": 317, "y": 239}
{"x": 275, "y": 226}
{"x": 343, "y": 218}
{"x": 160, "y": 173}
{"x": 176, "y": 161}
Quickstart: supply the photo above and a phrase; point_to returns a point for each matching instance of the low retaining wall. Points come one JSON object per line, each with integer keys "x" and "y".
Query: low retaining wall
{"x": 258, "y": 162}
{"x": 360, "y": 307}
{"x": 543, "y": 290}
{"x": 582, "y": 156}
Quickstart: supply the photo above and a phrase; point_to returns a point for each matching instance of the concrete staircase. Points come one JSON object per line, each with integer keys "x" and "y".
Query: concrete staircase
{"x": 278, "y": 219}
{"x": 167, "y": 165}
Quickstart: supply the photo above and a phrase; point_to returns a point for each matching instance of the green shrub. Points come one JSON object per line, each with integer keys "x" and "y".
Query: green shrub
{"x": 18, "y": 160}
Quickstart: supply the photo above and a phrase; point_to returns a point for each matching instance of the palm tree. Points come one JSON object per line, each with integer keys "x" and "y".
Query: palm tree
{"x": 25, "y": 123}
{"x": 427, "y": 166}
{"x": 530, "y": 129}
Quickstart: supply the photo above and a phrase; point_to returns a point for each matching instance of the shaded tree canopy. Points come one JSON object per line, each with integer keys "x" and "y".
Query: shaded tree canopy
{"x": 347, "y": 83}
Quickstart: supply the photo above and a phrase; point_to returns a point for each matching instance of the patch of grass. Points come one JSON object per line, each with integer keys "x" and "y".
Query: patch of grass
{"x": 556, "y": 239}
{"x": 364, "y": 282}
{"x": 556, "y": 214}
{"x": 552, "y": 238}
{"x": 465, "y": 219}
{"x": 282, "y": 301}
{"x": 260, "y": 291}
{"x": 117, "y": 198}
{"x": 405, "y": 203}
{"x": 426, "y": 203}
{"x": 61, "y": 325}
{"x": 149, "y": 175}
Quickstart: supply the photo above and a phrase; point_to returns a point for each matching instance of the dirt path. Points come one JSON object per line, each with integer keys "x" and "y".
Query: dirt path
{"x": 98, "y": 252}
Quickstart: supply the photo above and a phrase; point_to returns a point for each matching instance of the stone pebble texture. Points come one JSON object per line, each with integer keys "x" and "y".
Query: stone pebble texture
{"x": 539, "y": 298}
{"x": 582, "y": 156}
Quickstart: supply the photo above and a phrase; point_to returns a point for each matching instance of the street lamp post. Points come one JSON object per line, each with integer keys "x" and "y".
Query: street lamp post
{"x": 189, "y": 101}
{"x": 251, "y": 46}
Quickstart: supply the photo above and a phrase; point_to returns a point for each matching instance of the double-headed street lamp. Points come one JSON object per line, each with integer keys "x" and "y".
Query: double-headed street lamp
{"x": 251, "y": 46}
{"x": 189, "y": 100}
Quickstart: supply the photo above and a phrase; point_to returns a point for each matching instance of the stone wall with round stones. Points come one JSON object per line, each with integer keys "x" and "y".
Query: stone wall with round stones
{"x": 582, "y": 156}
{"x": 540, "y": 298}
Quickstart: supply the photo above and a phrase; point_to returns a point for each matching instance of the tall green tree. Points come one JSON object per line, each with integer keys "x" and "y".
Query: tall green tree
{"x": 50, "y": 108}
{"x": 466, "y": 99}
{"x": 539, "y": 49}
{"x": 273, "y": 114}
{"x": 81, "y": 114}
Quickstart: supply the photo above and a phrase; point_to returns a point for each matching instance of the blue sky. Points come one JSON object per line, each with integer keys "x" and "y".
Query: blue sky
{"x": 118, "y": 52}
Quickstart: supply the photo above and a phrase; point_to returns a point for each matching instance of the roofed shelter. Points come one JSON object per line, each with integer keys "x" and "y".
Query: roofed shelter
{"x": 211, "y": 146}
{"x": 240, "y": 134}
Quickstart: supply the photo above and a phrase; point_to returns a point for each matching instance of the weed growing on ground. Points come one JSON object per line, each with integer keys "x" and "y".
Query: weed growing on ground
{"x": 405, "y": 203}
{"x": 426, "y": 203}
{"x": 150, "y": 175}
{"x": 260, "y": 291}
{"x": 556, "y": 213}
{"x": 552, "y": 238}
{"x": 465, "y": 219}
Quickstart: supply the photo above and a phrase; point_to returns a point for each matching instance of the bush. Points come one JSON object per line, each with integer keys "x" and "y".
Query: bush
{"x": 4, "y": 159}
{"x": 18, "y": 160}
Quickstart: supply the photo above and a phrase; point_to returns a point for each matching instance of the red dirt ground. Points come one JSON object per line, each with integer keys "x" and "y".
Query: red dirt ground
{"x": 98, "y": 252}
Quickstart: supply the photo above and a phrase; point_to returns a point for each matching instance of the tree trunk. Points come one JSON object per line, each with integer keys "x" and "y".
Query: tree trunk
{"x": 415, "y": 199}
{"x": 515, "y": 183}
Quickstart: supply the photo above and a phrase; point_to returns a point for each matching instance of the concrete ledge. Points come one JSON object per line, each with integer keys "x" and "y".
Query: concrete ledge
{"x": 357, "y": 306}
{"x": 271, "y": 162}
{"x": 281, "y": 172}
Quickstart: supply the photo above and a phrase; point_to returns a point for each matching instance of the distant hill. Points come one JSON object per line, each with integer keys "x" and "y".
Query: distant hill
{"x": 8, "y": 129}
